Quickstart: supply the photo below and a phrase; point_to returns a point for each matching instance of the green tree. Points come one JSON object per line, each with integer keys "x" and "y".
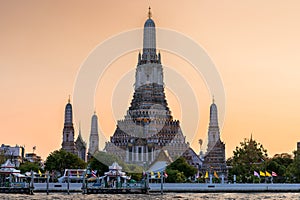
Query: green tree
{"x": 250, "y": 156}
{"x": 172, "y": 175}
{"x": 180, "y": 177}
{"x": 60, "y": 160}
{"x": 95, "y": 164}
{"x": 293, "y": 170}
{"x": 179, "y": 171}
{"x": 135, "y": 171}
{"x": 28, "y": 166}
{"x": 279, "y": 164}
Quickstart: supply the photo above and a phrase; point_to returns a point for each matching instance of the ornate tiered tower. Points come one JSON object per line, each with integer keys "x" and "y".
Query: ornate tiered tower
{"x": 148, "y": 126}
{"x": 94, "y": 137}
{"x": 79, "y": 147}
{"x": 68, "y": 131}
{"x": 214, "y": 159}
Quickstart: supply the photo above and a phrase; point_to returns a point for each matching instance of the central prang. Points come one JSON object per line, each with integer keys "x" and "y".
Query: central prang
{"x": 148, "y": 129}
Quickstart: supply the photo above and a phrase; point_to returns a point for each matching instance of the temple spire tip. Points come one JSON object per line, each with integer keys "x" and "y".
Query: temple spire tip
{"x": 149, "y": 13}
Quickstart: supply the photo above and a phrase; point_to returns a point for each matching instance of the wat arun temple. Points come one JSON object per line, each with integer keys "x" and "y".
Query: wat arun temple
{"x": 148, "y": 134}
{"x": 148, "y": 129}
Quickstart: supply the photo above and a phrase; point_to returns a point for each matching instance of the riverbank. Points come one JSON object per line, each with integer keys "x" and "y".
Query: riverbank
{"x": 183, "y": 187}
{"x": 200, "y": 187}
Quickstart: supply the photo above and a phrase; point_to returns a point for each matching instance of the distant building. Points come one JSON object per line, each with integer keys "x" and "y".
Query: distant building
{"x": 192, "y": 158}
{"x": 32, "y": 157}
{"x": 298, "y": 146}
{"x": 14, "y": 154}
{"x": 214, "y": 158}
{"x": 79, "y": 147}
{"x": 94, "y": 137}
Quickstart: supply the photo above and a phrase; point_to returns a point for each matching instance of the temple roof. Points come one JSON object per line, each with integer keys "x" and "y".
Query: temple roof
{"x": 80, "y": 140}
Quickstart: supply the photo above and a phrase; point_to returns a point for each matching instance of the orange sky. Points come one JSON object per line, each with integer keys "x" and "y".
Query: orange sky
{"x": 254, "y": 45}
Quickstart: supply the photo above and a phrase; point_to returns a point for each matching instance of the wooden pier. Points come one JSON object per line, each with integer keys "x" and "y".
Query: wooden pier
{"x": 13, "y": 190}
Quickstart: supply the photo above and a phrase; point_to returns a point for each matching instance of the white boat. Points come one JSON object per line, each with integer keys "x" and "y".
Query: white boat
{"x": 72, "y": 176}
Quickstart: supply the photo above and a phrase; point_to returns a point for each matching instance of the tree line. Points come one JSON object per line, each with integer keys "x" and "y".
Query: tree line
{"x": 250, "y": 156}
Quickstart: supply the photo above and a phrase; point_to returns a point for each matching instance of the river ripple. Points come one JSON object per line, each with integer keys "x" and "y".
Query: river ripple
{"x": 156, "y": 196}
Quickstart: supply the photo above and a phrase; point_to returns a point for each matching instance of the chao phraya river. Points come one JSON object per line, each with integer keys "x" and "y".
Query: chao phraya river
{"x": 179, "y": 196}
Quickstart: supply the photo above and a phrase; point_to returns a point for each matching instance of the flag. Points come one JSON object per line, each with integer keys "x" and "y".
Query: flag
{"x": 215, "y": 174}
{"x": 166, "y": 175}
{"x": 256, "y": 174}
{"x": 94, "y": 173}
{"x": 262, "y": 173}
{"x": 152, "y": 174}
{"x": 40, "y": 173}
{"x": 268, "y": 174}
{"x": 274, "y": 174}
{"x": 206, "y": 174}
{"x": 158, "y": 174}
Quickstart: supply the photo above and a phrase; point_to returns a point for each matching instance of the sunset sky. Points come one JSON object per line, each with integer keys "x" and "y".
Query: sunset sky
{"x": 253, "y": 44}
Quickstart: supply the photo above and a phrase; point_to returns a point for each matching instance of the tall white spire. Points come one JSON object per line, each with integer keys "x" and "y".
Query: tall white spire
{"x": 149, "y": 40}
{"x": 94, "y": 137}
{"x": 213, "y": 129}
{"x": 213, "y": 120}
{"x": 149, "y": 68}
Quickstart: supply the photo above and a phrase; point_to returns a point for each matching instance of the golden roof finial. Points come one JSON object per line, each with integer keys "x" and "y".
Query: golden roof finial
{"x": 213, "y": 98}
{"x": 69, "y": 100}
{"x": 149, "y": 13}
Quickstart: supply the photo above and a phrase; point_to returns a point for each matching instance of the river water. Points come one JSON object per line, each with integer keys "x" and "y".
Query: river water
{"x": 179, "y": 196}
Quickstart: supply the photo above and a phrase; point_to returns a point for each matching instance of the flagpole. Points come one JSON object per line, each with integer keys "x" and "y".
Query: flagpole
{"x": 47, "y": 175}
{"x": 68, "y": 185}
{"x": 147, "y": 182}
{"x": 161, "y": 183}
{"x": 83, "y": 183}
